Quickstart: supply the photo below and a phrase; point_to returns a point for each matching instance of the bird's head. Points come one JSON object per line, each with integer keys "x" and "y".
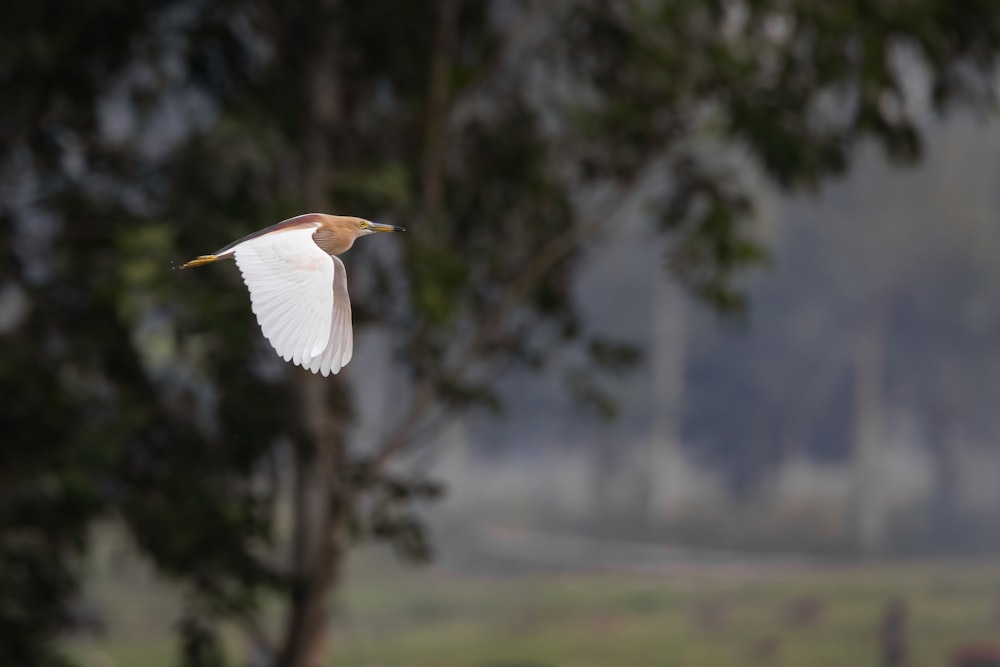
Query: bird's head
{"x": 338, "y": 232}
{"x": 352, "y": 227}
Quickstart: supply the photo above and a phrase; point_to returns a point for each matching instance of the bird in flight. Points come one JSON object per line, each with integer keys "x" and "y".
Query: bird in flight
{"x": 298, "y": 285}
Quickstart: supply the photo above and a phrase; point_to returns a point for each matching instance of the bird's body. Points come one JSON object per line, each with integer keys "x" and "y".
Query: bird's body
{"x": 298, "y": 285}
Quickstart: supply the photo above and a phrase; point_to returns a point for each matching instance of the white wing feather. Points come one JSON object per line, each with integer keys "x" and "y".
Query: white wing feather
{"x": 340, "y": 347}
{"x": 290, "y": 279}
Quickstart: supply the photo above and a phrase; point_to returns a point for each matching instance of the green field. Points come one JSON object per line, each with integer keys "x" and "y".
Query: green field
{"x": 392, "y": 616}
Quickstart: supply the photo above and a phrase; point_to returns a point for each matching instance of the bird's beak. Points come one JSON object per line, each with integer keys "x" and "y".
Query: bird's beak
{"x": 379, "y": 227}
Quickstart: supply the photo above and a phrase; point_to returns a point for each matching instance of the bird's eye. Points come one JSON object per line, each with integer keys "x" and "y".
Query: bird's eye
{"x": 364, "y": 225}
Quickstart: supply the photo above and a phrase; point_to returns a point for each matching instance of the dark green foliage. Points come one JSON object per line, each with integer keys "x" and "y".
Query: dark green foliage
{"x": 48, "y": 501}
{"x": 387, "y": 512}
{"x": 199, "y": 644}
{"x": 139, "y": 393}
{"x": 795, "y": 85}
{"x": 612, "y": 355}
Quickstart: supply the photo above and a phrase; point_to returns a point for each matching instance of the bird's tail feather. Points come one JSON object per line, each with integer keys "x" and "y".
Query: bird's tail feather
{"x": 198, "y": 261}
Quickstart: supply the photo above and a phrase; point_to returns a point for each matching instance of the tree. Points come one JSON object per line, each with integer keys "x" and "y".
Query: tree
{"x": 504, "y": 134}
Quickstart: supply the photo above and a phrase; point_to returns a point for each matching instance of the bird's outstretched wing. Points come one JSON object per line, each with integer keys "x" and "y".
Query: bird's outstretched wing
{"x": 292, "y": 283}
{"x": 340, "y": 347}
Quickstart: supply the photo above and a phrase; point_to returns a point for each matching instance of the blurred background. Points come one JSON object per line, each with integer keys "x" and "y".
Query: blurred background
{"x": 689, "y": 356}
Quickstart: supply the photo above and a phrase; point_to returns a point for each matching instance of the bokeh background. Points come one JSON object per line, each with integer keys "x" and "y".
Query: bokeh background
{"x": 689, "y": 356}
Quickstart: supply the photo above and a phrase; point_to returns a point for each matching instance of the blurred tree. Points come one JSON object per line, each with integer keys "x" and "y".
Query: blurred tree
{"x": 863, "y": 340}
{"x": 504, "y": 134}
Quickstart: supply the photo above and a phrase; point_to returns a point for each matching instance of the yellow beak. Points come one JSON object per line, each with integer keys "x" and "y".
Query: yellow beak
{"x": 378, "y": 227}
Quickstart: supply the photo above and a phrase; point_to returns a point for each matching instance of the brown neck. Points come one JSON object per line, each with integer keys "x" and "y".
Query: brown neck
{"x": 332, "y": 242}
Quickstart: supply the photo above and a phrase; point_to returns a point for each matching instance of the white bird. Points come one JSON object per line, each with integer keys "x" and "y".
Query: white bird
{"x": 298, "y": 285}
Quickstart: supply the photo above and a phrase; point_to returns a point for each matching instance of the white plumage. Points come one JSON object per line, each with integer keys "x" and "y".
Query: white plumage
{"x": 299, "y": 295}
{"x": 298, "y": 285}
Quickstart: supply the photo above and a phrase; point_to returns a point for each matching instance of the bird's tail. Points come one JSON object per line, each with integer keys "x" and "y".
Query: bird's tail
{"x": 198, "y": 261}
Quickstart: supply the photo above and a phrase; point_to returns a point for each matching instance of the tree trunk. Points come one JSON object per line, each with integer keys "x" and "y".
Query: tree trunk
{"x": 871, "y": 519}
{"x": 436, "y": 118}
{"x": 320, "y": 496}
{"x": 321, "y": 450}
{"x": 318, "y": 548}
{"x": 665, "y": 458}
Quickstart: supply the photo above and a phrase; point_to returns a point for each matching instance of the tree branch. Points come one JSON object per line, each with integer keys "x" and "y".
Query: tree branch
{"x": 557, "y": 248}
